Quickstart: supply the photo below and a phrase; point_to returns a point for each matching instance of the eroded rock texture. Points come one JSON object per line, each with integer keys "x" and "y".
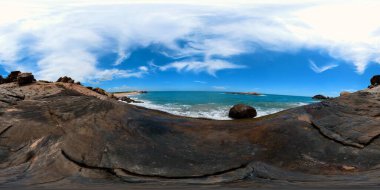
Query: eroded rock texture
{"x": 65, "y": 135}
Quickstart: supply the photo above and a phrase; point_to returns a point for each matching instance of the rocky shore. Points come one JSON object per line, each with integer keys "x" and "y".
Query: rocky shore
{"x": 65, "y": 135}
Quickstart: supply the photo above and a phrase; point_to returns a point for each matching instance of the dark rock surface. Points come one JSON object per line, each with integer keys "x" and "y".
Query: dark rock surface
{"x": 241, "y": 111}
{"x": 320, "y": 97}
{"x": 63, "y": 135}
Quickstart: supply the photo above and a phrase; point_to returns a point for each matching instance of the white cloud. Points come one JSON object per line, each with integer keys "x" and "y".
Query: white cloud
{"x": 209, "y": 66}
{"x": 143, "y": 68}
{"x": 321, "y": 69}
{"x": 68, "y": 37}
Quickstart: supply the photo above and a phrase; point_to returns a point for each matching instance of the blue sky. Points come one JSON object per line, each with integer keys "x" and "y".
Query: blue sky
{"x": 298, "y": 47}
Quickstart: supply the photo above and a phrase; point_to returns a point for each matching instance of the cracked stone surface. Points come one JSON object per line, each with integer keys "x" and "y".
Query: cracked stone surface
{"x": 63, "y": 135}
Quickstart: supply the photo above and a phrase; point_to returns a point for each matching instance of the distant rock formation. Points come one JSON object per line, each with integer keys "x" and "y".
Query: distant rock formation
{"x": 320, "y": 97}
{"x": 245, "y": 93}
{"x": 242, "y": 111}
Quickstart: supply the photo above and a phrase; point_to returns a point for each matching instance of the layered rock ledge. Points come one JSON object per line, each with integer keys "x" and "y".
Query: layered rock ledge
{"x": 66, "y": 135}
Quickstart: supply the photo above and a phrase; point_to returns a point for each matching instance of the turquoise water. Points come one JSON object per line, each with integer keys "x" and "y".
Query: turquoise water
{"x": 215, "y": 105}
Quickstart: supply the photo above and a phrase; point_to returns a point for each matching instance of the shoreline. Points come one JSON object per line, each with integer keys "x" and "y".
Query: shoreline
{"x": 131, "y": 93}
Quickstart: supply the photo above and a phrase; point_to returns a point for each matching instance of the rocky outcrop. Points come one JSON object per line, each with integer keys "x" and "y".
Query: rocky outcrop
{"x": 100, "y": 91}
{"x": 375, "y": 81}
{"x": 320, "y": 97}
{"x": 63, "y": 135}
{"x": 129, "y": 100}
{"x": 241, "y": 111}
{"x": 344, "y": 93}
{"x": 66, "y": 79}
{"x": 25, "y": 78}
{"x": 20, "y": 78}
{"x": 12, "y": 77}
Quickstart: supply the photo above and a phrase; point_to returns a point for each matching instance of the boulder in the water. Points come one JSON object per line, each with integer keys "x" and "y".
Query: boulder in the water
{"x": 241, "y": 111}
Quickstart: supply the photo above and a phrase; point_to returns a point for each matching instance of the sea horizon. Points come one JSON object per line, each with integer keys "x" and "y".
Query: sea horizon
{"x": 127, "y": 91}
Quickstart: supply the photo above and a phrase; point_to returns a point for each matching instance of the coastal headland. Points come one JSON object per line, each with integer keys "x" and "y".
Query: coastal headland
{"x": 65, "y": 135}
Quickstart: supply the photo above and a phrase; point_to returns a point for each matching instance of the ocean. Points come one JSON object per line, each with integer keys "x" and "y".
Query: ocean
{"x": 215, "y": 105}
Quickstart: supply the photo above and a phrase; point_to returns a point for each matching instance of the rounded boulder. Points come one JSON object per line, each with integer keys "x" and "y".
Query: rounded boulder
{"x": 242, "y": 111}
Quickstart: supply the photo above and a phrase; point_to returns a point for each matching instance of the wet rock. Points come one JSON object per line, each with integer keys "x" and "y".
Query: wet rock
{"x": 320, "y": 97}
{"x": 25, "y": 78}
{"x": 241, "y": 111}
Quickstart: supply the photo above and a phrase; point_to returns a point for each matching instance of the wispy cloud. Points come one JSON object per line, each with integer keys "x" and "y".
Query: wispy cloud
{"x": 210, "y": 66}
{"x": 110, "y": 74}
{"x": 60, "y": 36}
{"x": 321, "y": 69}
{"x": 200, "y": 82}
{"x": 122, "y": 56}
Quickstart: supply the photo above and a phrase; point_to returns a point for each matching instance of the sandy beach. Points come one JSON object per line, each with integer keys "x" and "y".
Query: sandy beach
{"x": 131, "y": 93}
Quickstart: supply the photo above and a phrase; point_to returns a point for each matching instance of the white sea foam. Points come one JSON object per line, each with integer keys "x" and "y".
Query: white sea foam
{"x": 219, "y": 113}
